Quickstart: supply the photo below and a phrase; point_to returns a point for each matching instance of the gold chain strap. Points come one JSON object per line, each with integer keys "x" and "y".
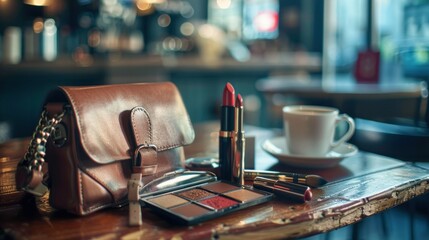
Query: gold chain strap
{"x": 34, "y": 157}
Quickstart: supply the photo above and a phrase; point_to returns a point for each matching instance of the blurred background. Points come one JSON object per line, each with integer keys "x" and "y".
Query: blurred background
{"x": 202, "y": 45}
{"x": 369, "y": 58}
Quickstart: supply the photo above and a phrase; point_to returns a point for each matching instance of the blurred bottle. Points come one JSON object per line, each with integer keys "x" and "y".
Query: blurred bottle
{"x": 12, "y": 45}
{"x": 50, "y": 46}
{"x": 1, "y": 49}
{"x": 32, "y": 39}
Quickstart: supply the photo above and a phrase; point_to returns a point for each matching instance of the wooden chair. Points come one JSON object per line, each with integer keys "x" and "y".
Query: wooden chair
{"x": 407, "y": 143}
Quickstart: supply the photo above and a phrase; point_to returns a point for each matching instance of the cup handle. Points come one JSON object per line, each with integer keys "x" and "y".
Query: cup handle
{"x": 350, "y": 131}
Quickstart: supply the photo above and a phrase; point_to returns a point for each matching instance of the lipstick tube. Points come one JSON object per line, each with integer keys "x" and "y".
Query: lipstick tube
{"x": 240, "y": 143}
{"x": 226, "y": 133}
{"x": 284, "y": 190}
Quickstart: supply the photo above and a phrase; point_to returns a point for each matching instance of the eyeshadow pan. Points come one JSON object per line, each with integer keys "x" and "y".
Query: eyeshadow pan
{"x": 220, "y": 187}
{"x": 168, "y": 201}
{"x": 243, "y": 195}
{"x": 190, "y": 210}
{"x": 219, "y": 202}
{"x": 195, "y": 194}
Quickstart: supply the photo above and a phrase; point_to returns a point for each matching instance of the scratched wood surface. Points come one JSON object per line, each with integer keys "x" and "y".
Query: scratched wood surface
{"x": 360, "y": 186}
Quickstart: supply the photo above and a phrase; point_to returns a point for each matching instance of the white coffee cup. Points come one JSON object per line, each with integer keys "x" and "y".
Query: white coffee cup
{"x": 310, "y": 130}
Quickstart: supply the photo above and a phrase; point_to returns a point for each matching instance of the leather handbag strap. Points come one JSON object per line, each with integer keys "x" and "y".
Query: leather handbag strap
{"x": 134, "y": 186}
{"x": 145, "y": 161}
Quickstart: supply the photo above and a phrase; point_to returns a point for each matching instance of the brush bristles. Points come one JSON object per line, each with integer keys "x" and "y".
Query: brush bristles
{"x": 315, "y": 181}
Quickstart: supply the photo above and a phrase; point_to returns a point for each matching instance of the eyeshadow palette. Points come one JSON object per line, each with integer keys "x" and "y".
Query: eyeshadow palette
{"x": 206, "y": 201}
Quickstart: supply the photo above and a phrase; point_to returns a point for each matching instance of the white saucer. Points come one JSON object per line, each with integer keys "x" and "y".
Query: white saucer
{"x": 277, "y": 147}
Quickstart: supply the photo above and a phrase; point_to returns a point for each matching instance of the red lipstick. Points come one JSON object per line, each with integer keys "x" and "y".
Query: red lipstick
{"x": 226, "y": 133}
{"x": 228, "y": 95}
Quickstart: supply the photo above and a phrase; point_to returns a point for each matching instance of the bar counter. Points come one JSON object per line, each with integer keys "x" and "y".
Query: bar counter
{"x": 289, "y": 61}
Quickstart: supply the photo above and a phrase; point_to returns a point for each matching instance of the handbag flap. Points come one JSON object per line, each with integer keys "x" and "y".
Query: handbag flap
{"x": 102, "y": 116}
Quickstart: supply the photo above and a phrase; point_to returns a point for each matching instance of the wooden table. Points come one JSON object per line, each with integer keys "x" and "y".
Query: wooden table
{"x": 360, "y": 186}
{"x": 385, "y": 100}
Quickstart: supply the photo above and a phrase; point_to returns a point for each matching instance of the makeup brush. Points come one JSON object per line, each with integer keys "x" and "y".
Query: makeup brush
{"x": 284, "y": 190}
{"x": 309, "y": 180}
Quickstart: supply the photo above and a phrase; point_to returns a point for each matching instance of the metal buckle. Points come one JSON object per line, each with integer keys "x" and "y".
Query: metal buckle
{"x": 59, "y": 135}
{"x": 143, "y": 146}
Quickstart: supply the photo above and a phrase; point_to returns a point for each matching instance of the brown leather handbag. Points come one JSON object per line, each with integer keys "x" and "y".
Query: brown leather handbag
{"x": 97, "y": 137}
